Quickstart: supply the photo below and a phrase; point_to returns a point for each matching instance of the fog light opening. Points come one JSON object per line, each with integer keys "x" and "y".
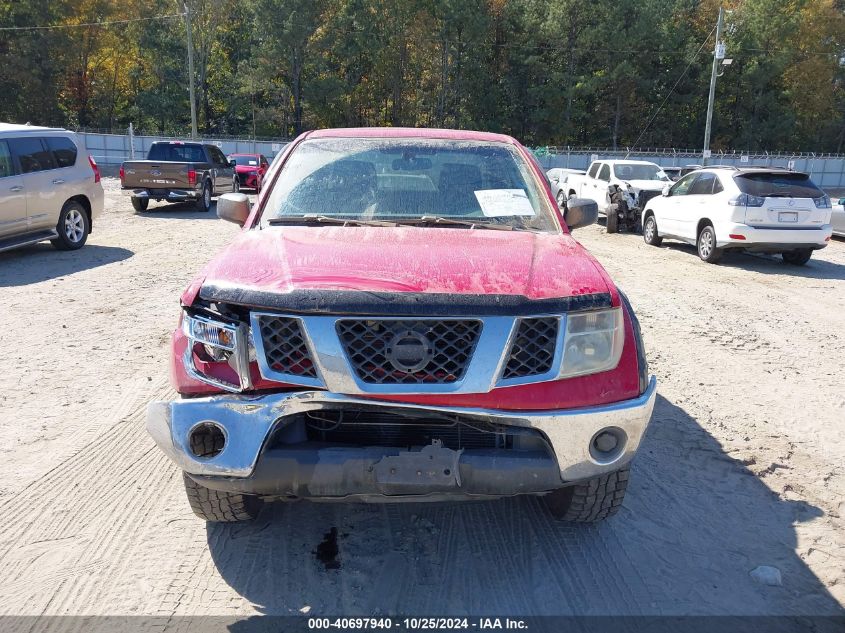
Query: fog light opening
{"x": 207, "y": 440}
{"x": 608, "y": 444}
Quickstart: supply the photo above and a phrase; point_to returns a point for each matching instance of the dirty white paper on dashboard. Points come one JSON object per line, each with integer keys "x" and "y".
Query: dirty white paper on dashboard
{"x": 504, "y": 202}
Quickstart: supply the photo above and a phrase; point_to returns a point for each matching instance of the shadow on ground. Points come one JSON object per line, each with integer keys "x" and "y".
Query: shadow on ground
{"x": 180, "y": 210}
{"x": 40, "y": 262}
{"x": 767, "y": 264}
{"x": 694, "y": 524}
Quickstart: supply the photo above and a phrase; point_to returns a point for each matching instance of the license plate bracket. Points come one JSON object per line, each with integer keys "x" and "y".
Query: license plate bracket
{"x": 432, "y": 468}
{"x": 787, "y": 216}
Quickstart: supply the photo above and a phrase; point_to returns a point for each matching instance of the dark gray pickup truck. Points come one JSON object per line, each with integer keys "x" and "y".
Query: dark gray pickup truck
{"x": 178, "y": 171}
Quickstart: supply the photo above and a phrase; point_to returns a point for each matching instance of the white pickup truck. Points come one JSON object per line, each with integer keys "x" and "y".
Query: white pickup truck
{"x": 621, "y": 188}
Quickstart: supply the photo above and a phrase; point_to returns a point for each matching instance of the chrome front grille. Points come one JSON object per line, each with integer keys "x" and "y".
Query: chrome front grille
{"x": 285, "y": 346}
{"x": 533, "y": 350}
{"x": 407, "y": 352}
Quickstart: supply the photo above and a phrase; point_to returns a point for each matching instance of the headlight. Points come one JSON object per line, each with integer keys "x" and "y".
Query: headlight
{"x": 223, "y": 343}
{"x": 592, "y": 342}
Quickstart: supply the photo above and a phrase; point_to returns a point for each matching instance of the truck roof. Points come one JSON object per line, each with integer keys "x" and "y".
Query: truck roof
{"x": 622, "y": 161}
{"x": 410, "y": 132}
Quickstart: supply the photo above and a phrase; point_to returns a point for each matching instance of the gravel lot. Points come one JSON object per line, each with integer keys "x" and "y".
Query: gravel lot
{"x": 741, "y": 467}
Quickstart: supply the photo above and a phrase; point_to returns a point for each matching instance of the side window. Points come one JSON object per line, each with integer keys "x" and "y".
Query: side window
{"x": 717, "y": 185}
{"x": 681, "y": 187}
{"x": 703, "y": 185}
{"x": 217, "y": 156}
{"x": 7, "y": 166}
{"x": 64, "y": 151}
{"x": 32, "y": 154}
{"x": 593, "y": 169}
{"x": 604, "y": 174}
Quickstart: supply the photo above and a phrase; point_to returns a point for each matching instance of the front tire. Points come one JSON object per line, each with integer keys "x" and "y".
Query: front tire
{"x": 650, "y": 234}
{"x": 236, "y": 185}
{"x": 706, "y": 245}
{"x": 73, "y": 227}
{"x": 140, "y": 204}
{"x": 799, "y": 257}
{"x": 216, "y": 506}
{"x": 590, "y": 501}
{"x": 203, "y": 203}
{"x": 561, "y": 200}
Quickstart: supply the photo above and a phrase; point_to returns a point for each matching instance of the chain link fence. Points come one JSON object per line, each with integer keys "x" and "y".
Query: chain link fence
{"x": 827, "y": 170}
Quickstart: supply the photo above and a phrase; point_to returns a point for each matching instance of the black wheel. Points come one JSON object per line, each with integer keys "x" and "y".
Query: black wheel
{"x": 73, "y": 227}
{"x": 650, "y": 234}
{"x": 799, "y": 257}
{"x": 203, "y": 203}
{"x": 590, "y": 501}
{"x": 561, "y": 200}
{"x": 612, "y": 218}
{"x": 706, "y": 245}
{"x": 236, "y": 185}
{"x": 220, "y": 507}
{"x": 140, "y": 204}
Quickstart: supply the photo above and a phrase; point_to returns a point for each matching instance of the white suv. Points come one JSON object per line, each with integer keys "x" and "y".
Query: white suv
{"x": 757, "y": 209}
{"x": 49, "y": 188}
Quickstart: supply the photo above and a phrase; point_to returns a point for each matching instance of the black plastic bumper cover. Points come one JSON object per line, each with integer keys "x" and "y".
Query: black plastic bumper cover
{"x": 339, "y": 471}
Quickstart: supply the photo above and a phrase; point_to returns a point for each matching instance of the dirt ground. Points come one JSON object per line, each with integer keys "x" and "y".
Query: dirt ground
{"x": 741, "y": 467}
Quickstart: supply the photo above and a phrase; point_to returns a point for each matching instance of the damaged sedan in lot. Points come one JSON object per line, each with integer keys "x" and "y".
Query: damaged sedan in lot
{"x": 405, "y": 316}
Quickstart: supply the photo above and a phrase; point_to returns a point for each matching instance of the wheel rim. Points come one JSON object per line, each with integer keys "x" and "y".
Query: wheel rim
{"x": 560, "y": 199}
{"x": 705, "y": 244}
{"x": 649, "y": 229}
{"x": 74, "y": 225}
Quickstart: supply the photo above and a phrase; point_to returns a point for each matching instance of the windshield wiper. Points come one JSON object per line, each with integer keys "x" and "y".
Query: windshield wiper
{"x": 324, "y": 219}
{"x": 437, "y": 219}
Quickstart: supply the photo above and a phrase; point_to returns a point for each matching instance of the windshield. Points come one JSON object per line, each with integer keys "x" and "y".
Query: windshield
{"x": 249, "y": 161}
{"x": 414, "y": 181}
{"x": 785, "y": 184}
{"x": 640, "y": 172}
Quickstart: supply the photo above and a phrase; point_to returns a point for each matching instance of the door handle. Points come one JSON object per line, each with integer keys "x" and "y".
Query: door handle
{"x": 58, "y": 181}
{"x": 16, "y": 188}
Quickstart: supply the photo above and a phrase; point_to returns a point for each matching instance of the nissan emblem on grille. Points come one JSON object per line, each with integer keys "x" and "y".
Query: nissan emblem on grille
{"x": 409, "y": 351}
{"x": 412, "y": 351}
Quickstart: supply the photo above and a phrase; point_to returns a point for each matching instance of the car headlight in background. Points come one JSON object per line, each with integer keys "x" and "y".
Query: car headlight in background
{"x": 223, "y": 343}
{"x": 592, "y": 342}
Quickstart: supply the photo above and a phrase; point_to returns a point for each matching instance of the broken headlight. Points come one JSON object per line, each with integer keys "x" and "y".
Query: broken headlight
{"x": 221, "y": 343}
{"x": 592, "y": 342}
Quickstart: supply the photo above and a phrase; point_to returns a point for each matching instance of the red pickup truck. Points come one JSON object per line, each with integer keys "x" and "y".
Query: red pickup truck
{"x": 405, "y": 316}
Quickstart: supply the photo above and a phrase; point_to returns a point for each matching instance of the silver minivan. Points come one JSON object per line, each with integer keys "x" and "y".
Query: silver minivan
{"x": 49, "y": 187}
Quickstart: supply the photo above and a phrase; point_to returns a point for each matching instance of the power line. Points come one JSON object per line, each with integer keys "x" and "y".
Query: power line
{"x": 107, "y": 23}
{"x": 683, "y": 74}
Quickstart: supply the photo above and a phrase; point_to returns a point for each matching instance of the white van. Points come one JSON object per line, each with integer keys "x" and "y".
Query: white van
{"x": 49, "y": 188}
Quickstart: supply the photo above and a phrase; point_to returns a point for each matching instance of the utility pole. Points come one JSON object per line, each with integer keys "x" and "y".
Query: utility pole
{"x": 718, "y": 55}
{"x": 191, "y": 72}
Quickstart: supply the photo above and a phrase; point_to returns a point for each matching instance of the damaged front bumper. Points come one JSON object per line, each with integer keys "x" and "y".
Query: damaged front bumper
{"x": 254, "y": 461}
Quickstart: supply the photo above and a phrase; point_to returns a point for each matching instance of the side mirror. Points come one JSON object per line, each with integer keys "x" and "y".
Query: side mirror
{"x": 233, "y": 207}
{"x": 665, "y": 191}
{"x": 842, "y": 201}
{"x": 580, "y": 212}
{"x": 232, "y": 162}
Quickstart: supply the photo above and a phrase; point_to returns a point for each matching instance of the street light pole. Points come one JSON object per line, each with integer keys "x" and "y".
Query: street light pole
{"x": 191, "y": 72}
{"x": 717, "y": 57}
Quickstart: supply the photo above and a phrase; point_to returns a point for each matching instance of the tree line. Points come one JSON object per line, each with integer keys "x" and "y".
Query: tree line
{"x": 596, "y": 73}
